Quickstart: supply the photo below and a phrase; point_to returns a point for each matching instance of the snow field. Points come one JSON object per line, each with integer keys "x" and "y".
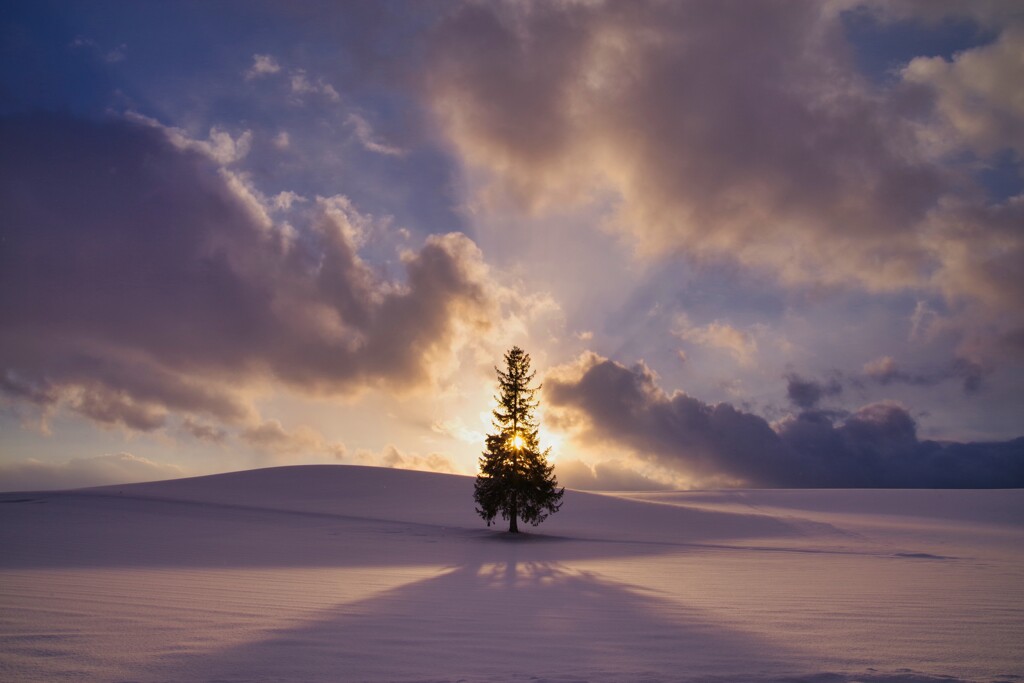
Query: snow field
{"x": 352, "y": 574}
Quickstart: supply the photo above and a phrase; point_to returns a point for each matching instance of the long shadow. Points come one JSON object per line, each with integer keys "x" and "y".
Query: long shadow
{"x": 517, "y": 619}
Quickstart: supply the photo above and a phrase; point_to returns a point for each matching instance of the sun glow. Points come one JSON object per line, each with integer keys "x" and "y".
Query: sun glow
{"x": 517, "y": 442}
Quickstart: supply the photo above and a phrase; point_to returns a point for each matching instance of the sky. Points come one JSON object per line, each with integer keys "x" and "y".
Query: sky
{"x": 774, "y": 244}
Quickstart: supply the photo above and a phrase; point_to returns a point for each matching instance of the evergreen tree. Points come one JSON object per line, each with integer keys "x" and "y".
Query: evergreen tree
{"x": 515, "y": 478}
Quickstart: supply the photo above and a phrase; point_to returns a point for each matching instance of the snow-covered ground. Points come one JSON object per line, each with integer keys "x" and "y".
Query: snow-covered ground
{"x": 349, "y": 573}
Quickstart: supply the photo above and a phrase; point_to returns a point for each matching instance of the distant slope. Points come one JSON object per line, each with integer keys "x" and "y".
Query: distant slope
{"x": 343, "y": 490}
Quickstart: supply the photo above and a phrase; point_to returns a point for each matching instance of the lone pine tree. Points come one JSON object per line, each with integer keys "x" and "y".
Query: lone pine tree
{"x": 515, "y": 479}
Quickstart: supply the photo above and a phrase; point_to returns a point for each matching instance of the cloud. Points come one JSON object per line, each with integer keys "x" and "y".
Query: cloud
{"x": 976, "y": 94}
{"x": 262, "y": 65}
{"x": 368, "y": 139}
{"x": 272, "y": 437}
{"x": 283, "y": 201}
{"x": 136, "y": 396}
{"x": 925, "y": 322}
{"x": 719, "y": 335}
{"x": 301, "y": 86}
{"x": 112, "y": 407}
{"x": 806, "y": 393}
{"x": 204, "y": 431}
{"x": 877, "y": 446}
{"x": 138, "y": 278}
{"x": 605, "y": 476}
{"x": 122, "y": 468}
{"x": 219, "y": 147}
{"x": 885, "y": 370}
{"x": 736, "y": 130}
{"x": 456, "y": 429}
{"x": 679, "y": 432}
{"x": 111, "y": 56}
{"x": 393, "y": 457}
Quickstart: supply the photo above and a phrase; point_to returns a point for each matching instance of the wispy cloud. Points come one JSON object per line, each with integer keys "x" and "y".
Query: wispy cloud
{"x": 885, "y": 370}
{"x": 364, "y": 133}
{"x": 109, "y": 56}
{"x": 302, "y": 85}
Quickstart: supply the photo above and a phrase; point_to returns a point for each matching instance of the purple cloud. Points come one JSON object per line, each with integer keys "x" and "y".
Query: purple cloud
{"x": 138, "y": 278}
{"x": 742, "y": 131}
{"x": 806, "y": 393}
{"x": 877, "y": 446}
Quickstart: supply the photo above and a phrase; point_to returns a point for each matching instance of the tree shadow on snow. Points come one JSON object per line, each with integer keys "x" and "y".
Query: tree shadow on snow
{"x": 511, "y": 620}
{"x": 502, "y": 620}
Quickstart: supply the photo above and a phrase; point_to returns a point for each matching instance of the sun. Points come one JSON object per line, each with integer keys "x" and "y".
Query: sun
{"x": 517, "y": 442}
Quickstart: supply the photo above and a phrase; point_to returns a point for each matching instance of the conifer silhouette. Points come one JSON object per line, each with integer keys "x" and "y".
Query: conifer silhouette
{"x": 515, "y": 478}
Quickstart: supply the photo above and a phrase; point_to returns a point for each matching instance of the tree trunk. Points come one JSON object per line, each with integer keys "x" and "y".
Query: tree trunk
{"x": 513, "y": 525}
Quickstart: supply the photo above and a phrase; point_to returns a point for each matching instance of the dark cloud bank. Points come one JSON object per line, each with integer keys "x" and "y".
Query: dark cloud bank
{"x": 137, "y": 280}
{"x": 875, "y": 447}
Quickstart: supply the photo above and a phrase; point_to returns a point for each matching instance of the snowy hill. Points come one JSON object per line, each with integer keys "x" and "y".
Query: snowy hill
{"x": 356, "y": 573}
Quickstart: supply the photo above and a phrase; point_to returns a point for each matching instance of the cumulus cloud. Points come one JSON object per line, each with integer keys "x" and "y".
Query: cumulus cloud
{"x": 625, "y": 405}
{"x": 737, "y": 130}
{"x": 977, "y": 94}
{"x": 220, "y": 146}
{"x": 138, "y": 279}
{"x": 877, "y": 446}
{"x": 283, "y": 201}
{"x": 120, "y": 468}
